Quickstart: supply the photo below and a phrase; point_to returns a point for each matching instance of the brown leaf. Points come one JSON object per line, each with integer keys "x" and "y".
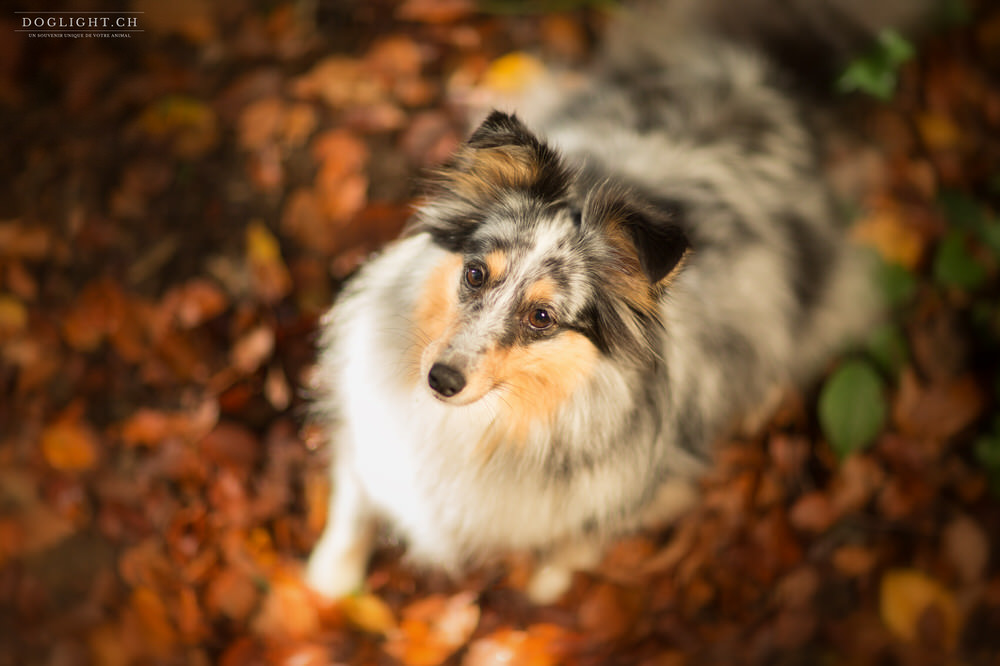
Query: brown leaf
{"x": 435, "y": 11}
{"x": 854, "y": 561}
{"x": 340, "y": 82}
{"x": 608, "y": 613}
{"x": 967, "y": 547}
{"x": 813, "y": 512}
{"x": 231, "y": 593}
{"x": 939, "y": 410}
{"x": 303, "y": 220}
{"x": 195, "y": 302}
{"x": 230, "y": 444}
{"x": 253, "y": 349}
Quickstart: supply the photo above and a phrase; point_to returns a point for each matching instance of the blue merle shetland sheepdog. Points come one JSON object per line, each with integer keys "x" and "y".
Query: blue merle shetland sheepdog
{"x": 590, "y": 299}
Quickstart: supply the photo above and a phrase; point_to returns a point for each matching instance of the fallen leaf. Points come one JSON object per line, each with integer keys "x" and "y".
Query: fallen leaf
{"x": 147, "y": 427}
{"x": 269, "y": 274}
{"x": 158, "y": 634}
{"x": 70, "y": 444}
{"x": 512, "y": 73}
{"x": 939, "y": 410}
{"x": 967, "y": 547}
{"x": 608, "y": 613}
{"x": 432, "y": 629}
{"x": 854, "y": 561}
{"x": 288, "y": 611}
{"x": 906, "y": 594}
{"x": 539, "y": 645}
{"x": 368, "y": 612}
{"x": 231, "y": 593}
{"x": 813, "y": 512}
{"x": 435, "y": 11}
{"x": 13, "y": 316}
{"x": 252, "y": 349}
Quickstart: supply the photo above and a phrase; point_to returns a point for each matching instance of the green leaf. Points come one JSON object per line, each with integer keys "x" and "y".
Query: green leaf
{"x": 954, "y": 265}
{"x": 852, "y": 407}
{"x": 888, "y": 347}
{"x": 897, "y": 282}
{"x": 877, "y": 72}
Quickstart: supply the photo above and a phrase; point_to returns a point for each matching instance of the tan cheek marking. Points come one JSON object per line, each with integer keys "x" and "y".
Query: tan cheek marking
{"x": 436, "y": 312}
{"x": 536, "y": 380}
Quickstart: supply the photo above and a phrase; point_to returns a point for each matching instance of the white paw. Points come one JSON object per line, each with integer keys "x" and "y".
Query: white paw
{"x": 334, "y": 574}
{"x": 548, "y": 583}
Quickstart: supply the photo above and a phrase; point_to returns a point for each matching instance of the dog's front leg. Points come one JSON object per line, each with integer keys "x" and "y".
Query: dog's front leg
{"x": 554, "y": 573}
{"x": 340, "y": 557}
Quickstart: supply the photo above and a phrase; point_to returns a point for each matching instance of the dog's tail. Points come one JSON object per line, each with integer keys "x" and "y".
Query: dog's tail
{"x": 812, "y": 40}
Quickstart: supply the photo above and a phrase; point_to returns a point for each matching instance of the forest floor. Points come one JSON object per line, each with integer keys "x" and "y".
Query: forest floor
{"x": 178, "y": 207}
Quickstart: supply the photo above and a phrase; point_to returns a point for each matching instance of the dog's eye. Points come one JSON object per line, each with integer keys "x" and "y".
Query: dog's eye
{"x": 540, "y": 319}
{"x": 475, "y": 276}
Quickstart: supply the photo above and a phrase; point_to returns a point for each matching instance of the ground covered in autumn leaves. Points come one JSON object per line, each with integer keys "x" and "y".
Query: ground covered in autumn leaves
{"x": 177, "y": 208}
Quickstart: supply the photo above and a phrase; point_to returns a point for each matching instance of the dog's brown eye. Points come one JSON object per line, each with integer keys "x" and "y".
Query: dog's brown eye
{"x": 540, "y": 319}
{"x": 475, "y": 276}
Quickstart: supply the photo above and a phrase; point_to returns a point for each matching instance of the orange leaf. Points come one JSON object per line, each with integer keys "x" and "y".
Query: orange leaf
{"x": 541, "y": 645}
{"x": 906, "y": 595}
{"x": 433, "y": 629}
{"x": 232, "y": 594}
{"x": 288, "y": 610}
{"x": 70, "y": 445}
{"x": 157, "y": 632}
{"x": 147, "y": 427}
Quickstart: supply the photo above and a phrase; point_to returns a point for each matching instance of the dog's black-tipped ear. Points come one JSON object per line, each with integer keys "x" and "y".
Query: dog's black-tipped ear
{"x": 658, "y": 234}
{"x": 502, "y": 129}
{"x": 649, "y": 230}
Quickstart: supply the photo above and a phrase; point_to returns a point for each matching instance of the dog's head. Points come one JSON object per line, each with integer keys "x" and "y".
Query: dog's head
{"x": 548, "y": 268}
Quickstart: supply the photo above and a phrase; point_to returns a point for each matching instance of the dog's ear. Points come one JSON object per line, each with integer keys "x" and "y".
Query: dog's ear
{"x": 657, "y": 232}
{"x": 500, "y": 156}
{"x": 503, "y": 153}
{"x": 650, "y": 230}
{"x": 501, "y": 129}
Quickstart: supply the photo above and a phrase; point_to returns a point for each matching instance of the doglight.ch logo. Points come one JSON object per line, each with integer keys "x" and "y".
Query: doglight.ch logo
{"x": 121, "y": 25}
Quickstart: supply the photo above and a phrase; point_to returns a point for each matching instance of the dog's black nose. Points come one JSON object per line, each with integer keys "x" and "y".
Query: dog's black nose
{"x": 445, "y": 379}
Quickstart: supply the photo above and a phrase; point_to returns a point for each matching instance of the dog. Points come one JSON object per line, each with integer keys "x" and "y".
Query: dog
{"x": 595, "y": 291}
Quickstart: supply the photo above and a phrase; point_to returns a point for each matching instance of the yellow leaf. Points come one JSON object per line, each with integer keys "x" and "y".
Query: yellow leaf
{"x": 368, "y": 612}
{"x": 512, "y": 73}
{"x": 906, "y": 594}
{"x": 13, "y": 315}
{"x": 938, "y": 131}
{"x": 271, "y": 278}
